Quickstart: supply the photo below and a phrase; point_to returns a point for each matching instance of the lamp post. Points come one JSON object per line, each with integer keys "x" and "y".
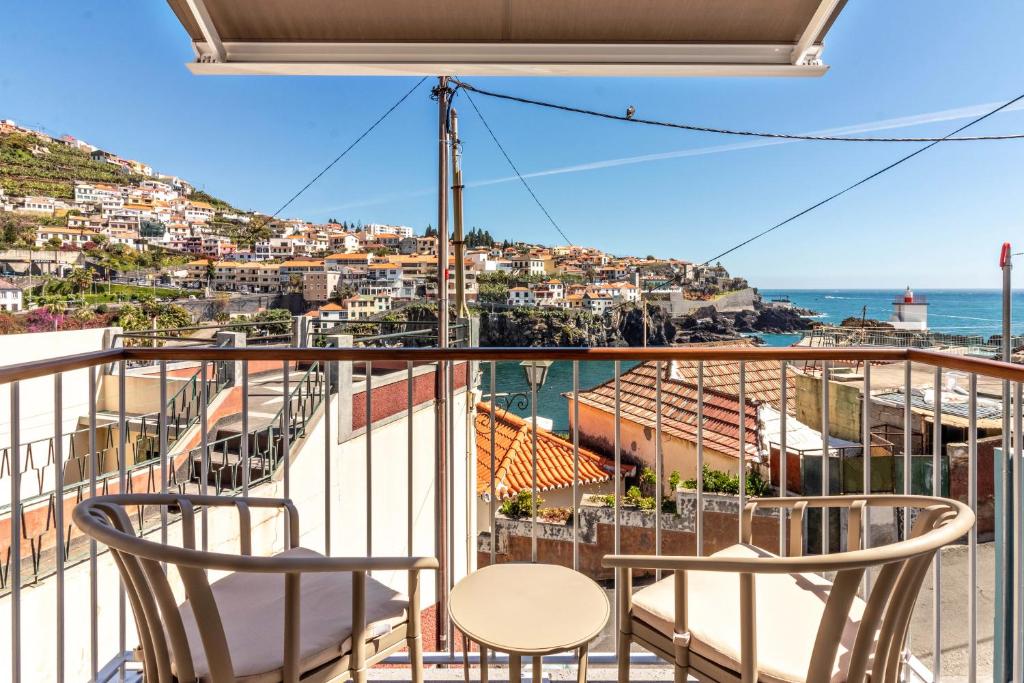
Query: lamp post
{"x": 536, "y": 373}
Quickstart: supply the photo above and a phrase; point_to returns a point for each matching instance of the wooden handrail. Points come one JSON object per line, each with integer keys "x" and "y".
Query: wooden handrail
{"x": 989, "y": 368}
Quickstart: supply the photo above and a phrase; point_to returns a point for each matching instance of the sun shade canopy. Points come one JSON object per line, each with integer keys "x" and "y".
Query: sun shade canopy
{"x": 508, "y": 37}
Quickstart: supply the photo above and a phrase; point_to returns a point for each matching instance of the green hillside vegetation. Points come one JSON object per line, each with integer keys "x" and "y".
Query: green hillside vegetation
{"x": 24, "y": 172}
{"x": 52, "y": 173}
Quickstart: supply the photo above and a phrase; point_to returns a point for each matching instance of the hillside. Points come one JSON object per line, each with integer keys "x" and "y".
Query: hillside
{"x": 30, "y": 166}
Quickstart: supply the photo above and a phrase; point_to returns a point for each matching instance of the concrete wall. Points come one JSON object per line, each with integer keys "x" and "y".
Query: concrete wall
{"x": 597, "y": 534}
{"x": 556, "y": 498}
{"x": 844, "y": 406}
{"x": 142, "y": 393}
{"x": 638, "y": 445}
{"x": 37, "y": 397}
{"x": 959, "y": 479}
{"x": 742, "y": 300}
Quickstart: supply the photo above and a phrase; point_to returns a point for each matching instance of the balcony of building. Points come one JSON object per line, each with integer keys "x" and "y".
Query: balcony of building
{"x": 468, "y": 456}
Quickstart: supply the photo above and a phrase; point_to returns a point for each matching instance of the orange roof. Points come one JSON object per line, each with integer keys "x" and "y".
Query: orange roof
{"x": 349, "y": 257}
{"x": 312, "y": 264}
{"x": 332, "y": 307}
{"x": 721, "y": 409}
{"x": 513, "y": 457}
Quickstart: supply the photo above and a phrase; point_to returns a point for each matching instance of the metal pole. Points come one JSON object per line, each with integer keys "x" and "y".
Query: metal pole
{"x": 441, "y": 373}
{"x": 1007, "y": 539}
{"x": 461, "y": 309}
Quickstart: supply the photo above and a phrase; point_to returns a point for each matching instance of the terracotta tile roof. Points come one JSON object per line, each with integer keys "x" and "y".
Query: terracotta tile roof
{"x": 679, "y": 409}
{"x": 762, "y": 380}
{"x": 513, "y": 457}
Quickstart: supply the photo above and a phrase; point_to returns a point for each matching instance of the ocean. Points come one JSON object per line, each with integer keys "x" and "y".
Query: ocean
{"x": 956, "y": 311}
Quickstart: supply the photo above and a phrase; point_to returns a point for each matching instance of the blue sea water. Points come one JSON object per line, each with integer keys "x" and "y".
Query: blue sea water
{"x": 956, "y": 311}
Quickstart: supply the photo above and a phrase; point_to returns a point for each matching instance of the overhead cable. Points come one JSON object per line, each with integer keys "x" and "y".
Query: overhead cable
{"x": 348, "y": 149}
{"x": 515, "y": 170}
{"x": 632, "y": 118}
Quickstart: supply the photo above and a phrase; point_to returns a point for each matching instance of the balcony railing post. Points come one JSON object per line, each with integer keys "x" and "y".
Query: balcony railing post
{"x": 58, "y": 514}
{"x": 15, "y": 527}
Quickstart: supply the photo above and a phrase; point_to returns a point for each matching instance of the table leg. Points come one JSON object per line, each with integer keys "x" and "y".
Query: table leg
{"x": 581, "y": 670}
{"x": 465, "y": 657}
{"x": 515, "y": 672}
{"x": 483, "y": 664}
{"x": 538, "y": 669}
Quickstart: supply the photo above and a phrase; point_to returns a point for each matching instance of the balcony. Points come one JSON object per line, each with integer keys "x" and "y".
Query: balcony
{"x": 410, "y": 451}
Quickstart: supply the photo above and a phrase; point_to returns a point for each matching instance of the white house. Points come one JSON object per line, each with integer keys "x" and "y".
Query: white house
{"x": 10, "y": 296}
{"x": 521, "y": 296}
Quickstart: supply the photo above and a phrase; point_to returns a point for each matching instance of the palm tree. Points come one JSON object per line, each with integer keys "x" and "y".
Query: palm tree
{"x": 80, "y": 279}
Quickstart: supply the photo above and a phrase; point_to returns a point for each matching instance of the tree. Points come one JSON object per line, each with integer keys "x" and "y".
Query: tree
{"x": 343, "y": 292}
{"x": 295, "y": 282}
{"x": 430, "y": 231}
{"x": 493, "y": 292}
{"x": 80, "y": 280}
{"x": 54, "y": 243}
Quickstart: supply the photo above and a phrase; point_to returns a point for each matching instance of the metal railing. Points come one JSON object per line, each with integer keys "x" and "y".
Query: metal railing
{"x": 661, "y": 410}
{"x": 39, "y": 462}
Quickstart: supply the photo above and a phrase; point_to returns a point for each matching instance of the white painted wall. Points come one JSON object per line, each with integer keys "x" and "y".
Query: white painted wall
{"x": 37, "y": 395}
{"x": 389, "y": 491}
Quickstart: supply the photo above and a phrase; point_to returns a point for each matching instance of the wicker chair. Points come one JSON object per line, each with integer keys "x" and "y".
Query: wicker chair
{"x": 744, "y": 614}
{"x": 294, "y": 616}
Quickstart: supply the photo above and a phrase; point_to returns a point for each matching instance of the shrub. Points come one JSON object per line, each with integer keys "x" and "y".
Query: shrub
{"x": 716, "y": 481}
{"x": 519, "y": 505}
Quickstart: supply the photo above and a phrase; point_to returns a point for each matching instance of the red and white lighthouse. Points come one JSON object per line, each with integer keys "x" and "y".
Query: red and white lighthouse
{"x": 909, "y": 311}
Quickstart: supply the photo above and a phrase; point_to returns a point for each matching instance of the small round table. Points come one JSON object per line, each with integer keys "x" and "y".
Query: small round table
{"x": 529, "y": 610}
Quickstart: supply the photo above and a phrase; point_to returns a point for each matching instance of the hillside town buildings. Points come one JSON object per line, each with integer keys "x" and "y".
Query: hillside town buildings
{"x": 344, "y": 270}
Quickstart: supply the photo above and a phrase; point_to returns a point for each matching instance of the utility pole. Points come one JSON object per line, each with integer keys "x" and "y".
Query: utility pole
{"x": 461, "y": 309}
{"x": 441, "y": 370}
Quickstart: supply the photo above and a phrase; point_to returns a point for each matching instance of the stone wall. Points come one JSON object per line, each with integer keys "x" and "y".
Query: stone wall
{"x": 597, "y": 533}
{"x": 742, "y": 300}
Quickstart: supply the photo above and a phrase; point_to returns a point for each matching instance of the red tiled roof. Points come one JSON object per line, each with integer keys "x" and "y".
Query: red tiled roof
{"x": 513, "y": 457}
{"x": 679, "y": 408}
{"x": 762, "y": 380}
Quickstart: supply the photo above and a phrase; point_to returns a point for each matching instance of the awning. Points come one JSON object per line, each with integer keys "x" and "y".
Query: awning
{"x": 508, "y": 37}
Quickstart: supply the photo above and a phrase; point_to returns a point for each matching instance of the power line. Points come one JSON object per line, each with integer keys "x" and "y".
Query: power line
{"x": 836, "y": 195}
{"x": 348, "y": 149}
{"x": 629, "y": 118}
{"x": 514, "y": 169}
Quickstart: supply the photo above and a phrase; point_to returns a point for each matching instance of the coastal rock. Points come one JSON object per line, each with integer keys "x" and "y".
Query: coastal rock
{"x": 854, "y": 321}
{"x": 543, "y": 327}
{"x": 660, "y": 330}
{"x": 780, "y": 321}
{"x": 707, "y": 324}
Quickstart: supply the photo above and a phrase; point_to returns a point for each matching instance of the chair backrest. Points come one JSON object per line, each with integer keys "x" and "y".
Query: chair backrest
{"x": 141, "y": 565}
{"x": 901, "y": 568}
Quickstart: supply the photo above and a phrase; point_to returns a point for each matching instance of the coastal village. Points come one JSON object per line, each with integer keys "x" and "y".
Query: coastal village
{"x": 423, "y": 432}
{"x": 334, "y": 272}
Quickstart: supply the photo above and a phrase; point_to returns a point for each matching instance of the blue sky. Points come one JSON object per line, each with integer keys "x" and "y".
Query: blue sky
{"x": 113, "y": 73}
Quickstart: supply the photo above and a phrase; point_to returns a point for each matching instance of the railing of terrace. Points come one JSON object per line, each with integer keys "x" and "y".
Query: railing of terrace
{"x": 39, "y": 461}
{"x": 700, "y": 411}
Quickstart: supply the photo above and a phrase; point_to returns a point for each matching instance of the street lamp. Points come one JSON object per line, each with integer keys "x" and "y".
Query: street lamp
{"x": 536, "y": 372}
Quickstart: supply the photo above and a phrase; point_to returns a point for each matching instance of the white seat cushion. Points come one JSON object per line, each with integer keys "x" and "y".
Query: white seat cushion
{"x": 251, "y": 608}
{"x": 789, "y": 610}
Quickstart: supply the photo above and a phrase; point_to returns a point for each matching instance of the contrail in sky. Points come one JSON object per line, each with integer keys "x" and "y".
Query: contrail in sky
{"x": 854, "y": 129}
